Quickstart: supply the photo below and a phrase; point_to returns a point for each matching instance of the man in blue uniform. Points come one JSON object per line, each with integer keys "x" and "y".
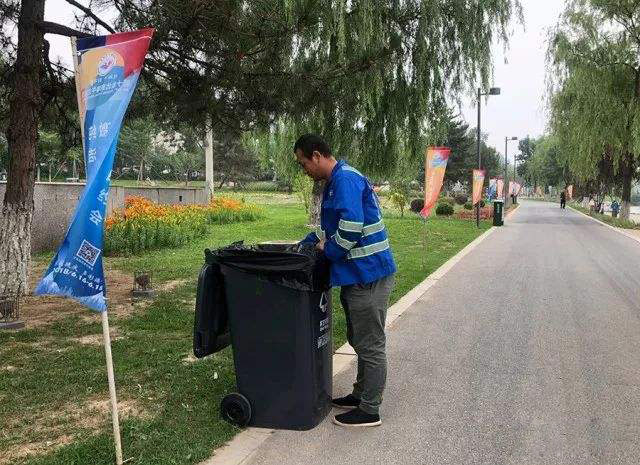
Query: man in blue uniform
{"x": 354, "y": 239}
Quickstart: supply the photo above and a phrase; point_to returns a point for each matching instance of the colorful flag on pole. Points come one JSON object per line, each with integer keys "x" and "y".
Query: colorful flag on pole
{"x": 435, "y": 164}
{"x": 108, "y": 71}
{"x": 478, "y": 182}
{"x": 500, "y": 186}
{"x": 570, "y": 191}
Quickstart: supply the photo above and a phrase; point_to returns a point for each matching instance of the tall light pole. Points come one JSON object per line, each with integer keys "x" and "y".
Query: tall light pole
{"x": 492, "y": 91}
{"x": 504, "y": 184}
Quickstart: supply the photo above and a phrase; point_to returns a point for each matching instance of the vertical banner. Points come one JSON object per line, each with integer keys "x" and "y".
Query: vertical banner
{"x": 435, "y": 164}
{"x": 107, "y": 74}
{"x": 493, "y": 188}
{"x": 570, "y": 191}
{"x": 478, "y": 182}
{"x": 499, "y": 186}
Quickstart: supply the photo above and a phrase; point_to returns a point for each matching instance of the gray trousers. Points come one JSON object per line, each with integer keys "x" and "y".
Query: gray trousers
{"x": 365, "y": 306}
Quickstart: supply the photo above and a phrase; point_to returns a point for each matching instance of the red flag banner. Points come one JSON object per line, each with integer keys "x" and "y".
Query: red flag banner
{"x": 478, "y": 183}
{"x": 435, "y": 164}
{"x": 500, "y": 186}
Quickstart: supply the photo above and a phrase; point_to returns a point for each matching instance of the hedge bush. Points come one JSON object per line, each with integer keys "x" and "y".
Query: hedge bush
{"x": 416, "y": 205}
{"x": 468, "y": 206}
{"x": 444, "y": 209}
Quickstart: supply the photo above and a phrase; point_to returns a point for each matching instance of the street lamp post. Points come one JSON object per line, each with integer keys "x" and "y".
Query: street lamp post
{"x": 504, "y": 184}
{"x": 492, "y": 91}
{"x": 515, "y": 176}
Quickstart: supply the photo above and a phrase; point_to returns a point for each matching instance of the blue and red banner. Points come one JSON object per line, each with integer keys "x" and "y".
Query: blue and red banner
{"x": 107, "y": 73}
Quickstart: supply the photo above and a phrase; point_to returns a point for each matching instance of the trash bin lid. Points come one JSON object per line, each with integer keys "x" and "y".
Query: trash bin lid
{"x": 299, "y": 266}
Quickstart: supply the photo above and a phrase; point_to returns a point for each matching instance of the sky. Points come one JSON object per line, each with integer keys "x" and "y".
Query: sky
{"x": 519, "y": 110}
{"x": 519, "y": 72}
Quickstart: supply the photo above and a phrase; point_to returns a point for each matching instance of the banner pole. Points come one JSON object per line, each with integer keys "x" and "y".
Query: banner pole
{"x": 424, "y": 255}
{"x": 74, "y": 51}
{"x": 112, "y": 387}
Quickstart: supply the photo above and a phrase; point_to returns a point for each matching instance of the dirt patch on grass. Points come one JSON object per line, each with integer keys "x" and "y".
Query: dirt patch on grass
{"x": 43, "y": 310}
{"x": 11, "y": 455}
{"x": 171, "y": 285}
{"x": 44, "y": 432}
{"x": 97, "y": 339}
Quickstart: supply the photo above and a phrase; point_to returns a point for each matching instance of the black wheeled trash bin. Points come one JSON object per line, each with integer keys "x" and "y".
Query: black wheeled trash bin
{"x": 273, "y": 304}
{"x": 498, "y": 206}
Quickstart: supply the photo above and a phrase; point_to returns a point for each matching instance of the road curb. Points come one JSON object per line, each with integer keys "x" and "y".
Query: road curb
{"x": 242, "y": 447}
{"x": 618, "y": 230}
{"x": 512, "y": 211}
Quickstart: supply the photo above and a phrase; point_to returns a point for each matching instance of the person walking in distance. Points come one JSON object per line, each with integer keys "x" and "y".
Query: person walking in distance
{"x": 563, "y": 199}
{"x": 354, "y": 239}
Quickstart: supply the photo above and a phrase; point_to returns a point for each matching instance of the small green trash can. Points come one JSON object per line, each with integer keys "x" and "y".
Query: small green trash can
{"x": 497, "y": 212}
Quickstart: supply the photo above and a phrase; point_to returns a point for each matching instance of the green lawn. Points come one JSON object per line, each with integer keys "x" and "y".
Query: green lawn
{"x": 176, "y": 418}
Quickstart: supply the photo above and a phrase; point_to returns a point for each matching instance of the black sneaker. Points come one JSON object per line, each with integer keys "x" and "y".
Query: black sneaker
{"x": 357, "y": 417}
{"x": 347, "y": 402}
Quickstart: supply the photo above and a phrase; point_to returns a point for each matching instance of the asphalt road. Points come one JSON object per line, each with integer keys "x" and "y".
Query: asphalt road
{"x": 526, "y": 352}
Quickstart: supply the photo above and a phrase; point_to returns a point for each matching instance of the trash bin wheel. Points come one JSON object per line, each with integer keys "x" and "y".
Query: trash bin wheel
{"x": 236, "y": 409}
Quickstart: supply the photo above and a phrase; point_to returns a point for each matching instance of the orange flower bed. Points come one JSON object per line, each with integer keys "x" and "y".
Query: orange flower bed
{"x": 144, "y": 225}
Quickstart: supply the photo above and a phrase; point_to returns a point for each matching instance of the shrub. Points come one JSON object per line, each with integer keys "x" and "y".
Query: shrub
{"x": 461, "y": 199}
{"x": 416, "y": 205}
{"x": 448, "y": 200}
{"x": 468, "y": 206}
{"x": 399, "y": 200}
{"x": 444, "y": 209}
{"x": 482, "y": 203}
{"x": 303, "y": 187}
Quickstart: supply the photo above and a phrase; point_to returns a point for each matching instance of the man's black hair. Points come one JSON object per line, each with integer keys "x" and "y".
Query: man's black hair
{"x": 310, "y": 143}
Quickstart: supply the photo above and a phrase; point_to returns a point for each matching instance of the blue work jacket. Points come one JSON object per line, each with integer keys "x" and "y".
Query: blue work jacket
{"x": 351, "y": 225}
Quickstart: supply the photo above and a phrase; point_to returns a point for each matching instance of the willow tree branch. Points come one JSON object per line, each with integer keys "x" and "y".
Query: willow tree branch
{"x": 48, "y": 27}
{"x": 87, "y": 11}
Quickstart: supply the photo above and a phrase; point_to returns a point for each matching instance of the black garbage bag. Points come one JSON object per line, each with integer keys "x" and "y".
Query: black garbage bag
{"x": 298, "y": 266}
{"x": 211, "y": 325}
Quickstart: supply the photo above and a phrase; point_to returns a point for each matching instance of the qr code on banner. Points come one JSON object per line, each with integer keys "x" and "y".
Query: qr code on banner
{"x": 88, "y": 253}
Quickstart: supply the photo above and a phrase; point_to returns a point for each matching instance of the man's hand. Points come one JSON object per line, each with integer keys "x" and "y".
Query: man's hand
{"x": 320, "y": 245}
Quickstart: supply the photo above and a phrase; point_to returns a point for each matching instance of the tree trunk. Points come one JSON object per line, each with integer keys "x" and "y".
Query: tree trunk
{"x": 49, "y": 172}
{"x": 316, "y": 203}
{"x": 22, "y": 136}
{"x": 627, "y": 179}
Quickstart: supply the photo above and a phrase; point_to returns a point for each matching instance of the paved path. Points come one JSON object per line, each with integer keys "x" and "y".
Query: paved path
{"x": 526, "y": 352}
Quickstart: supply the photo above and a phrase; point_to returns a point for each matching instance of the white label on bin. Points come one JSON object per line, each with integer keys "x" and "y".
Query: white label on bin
{"x": 322, "y": 340}
{"x": 323, "y": 303}
{"x": 324, "y": 324}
